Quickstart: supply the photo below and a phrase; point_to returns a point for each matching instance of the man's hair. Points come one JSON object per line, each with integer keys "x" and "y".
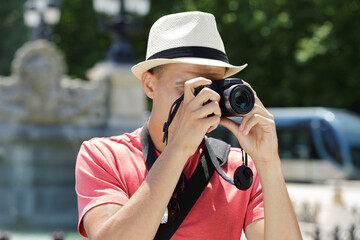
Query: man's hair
{"x": 158, "y": 70}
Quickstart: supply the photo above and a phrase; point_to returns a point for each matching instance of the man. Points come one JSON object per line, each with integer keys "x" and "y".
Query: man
{"x": 120, "y": 199}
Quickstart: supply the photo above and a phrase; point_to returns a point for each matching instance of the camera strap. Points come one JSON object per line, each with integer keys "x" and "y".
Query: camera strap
{"x": 173, "y": 109}
{"x": 195, "y": 185}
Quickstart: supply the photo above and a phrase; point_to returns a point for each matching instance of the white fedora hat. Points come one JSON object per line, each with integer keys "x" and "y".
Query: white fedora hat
{"x": 188, "y": 37}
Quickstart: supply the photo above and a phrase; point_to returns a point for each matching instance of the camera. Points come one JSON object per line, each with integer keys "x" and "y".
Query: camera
{"x": 236, "y": 100}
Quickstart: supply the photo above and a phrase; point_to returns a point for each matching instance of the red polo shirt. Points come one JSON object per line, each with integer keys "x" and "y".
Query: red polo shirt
{"x": 110, "y": 170}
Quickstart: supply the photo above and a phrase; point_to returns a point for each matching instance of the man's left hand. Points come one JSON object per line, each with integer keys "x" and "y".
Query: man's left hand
{"x": 256, "y": 132}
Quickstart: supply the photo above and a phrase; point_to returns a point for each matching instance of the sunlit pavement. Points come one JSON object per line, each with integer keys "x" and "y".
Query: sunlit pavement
{"x": 325, "y": 193}
{"x": 324, "y": 206}
{"x": 42, "y": 236}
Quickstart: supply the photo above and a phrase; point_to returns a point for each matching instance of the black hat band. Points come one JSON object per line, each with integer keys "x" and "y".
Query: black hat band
{"x": 191, "y": 51}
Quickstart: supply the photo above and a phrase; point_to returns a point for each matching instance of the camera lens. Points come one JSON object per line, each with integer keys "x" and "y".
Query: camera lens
{"x": 239, "y": 99}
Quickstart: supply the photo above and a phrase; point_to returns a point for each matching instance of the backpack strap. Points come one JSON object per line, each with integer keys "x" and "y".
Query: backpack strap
{"x": 195, "y": 185}
{"x": 220, "y": 148}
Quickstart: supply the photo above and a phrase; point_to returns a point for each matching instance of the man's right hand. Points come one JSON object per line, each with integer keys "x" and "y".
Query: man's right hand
{"x": 193, "y": 120}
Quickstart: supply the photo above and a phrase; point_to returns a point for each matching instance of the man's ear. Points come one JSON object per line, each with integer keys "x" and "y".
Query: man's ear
{"x": 148, "y": 83}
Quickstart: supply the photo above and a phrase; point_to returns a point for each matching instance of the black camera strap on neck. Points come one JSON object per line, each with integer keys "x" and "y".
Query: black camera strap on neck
{"x": 243, "y": 176}
{"x": 195, "y": 185}
{"x": 173, "y": 109}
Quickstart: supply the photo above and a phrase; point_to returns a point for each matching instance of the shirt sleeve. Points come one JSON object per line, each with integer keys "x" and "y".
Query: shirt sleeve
{"x": 97, "y": 180}
{"x": 255, "y": 209}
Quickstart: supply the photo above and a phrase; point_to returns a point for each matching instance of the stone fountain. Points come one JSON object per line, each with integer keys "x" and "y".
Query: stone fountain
{"x": 44, "y": 118}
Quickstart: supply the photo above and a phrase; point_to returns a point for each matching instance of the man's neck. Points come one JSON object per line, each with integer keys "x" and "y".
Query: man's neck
{"x": 155, "y": 127}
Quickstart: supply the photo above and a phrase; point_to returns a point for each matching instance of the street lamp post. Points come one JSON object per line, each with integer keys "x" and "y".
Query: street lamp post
{"x": 120, "y": 51}
{"x": 39, "y": 15}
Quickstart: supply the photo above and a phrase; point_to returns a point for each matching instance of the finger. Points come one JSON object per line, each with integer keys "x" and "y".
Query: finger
{"x": 208, "y": 109}
{"x": 203, "y": 98}
{"x": 231, "y": 125}
{"x": 263, "y": 108}
{"x": 247, "y": 84}
{"x": 250, "y": 124}
{"x": 210, "y": 123}
{"x": 255, "y": 120}
{"x": 205, "y": 95}
{"x": 256, "y": 110}
{"x": 257, "y": 100}
{"x": 211, "y": 128}
{"x": 190, "y": 85}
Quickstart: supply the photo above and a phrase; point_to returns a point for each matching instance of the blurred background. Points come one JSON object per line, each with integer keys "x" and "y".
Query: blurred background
{"x": 65, "y": 78}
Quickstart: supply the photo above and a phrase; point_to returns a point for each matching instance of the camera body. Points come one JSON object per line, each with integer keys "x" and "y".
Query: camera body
{"x": 237, "y": 99}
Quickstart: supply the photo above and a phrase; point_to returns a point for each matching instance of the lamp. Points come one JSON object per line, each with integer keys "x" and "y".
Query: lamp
{"x": 120, "y": 51}
{"x": 39, "y": 14}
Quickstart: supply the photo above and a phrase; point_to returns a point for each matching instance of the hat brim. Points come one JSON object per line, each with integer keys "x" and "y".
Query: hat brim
{"x": 144, "y": 66}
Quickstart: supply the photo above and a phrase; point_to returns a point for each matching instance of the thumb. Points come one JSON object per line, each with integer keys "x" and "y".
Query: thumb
{"x": 231, "y": 125}
{"x": 234, "y": 128}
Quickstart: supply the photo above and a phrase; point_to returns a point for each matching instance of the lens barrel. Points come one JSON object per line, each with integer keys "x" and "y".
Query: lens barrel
{"x": 239, "y": 99}
{"x": 236, "y": 100}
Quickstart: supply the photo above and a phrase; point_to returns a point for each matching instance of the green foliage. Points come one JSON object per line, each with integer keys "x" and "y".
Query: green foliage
{"x": 79, "y": 37}
{"x": 300, "y": 53}
{"x": 13, "y": 33}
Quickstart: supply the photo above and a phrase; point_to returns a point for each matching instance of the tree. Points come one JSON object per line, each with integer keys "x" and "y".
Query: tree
{"x": 300, "y": 53}
{"x": 12, "y": 31}
{"x": 79, "y": 37}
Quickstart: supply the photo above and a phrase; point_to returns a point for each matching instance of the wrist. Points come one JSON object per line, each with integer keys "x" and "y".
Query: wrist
{"x": 184, "y": 147}
{"x": 269, "y": 167}
{"x": 181, "y": 150}
{"x": 269, "y": 159}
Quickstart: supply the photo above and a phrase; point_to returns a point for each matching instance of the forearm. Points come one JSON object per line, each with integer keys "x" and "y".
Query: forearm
{"x": 140, "y": 217}
{"x": 280, "y": 218}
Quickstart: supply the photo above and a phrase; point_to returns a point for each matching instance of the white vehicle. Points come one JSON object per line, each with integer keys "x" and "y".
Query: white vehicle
{"x": 315, "y": 144}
